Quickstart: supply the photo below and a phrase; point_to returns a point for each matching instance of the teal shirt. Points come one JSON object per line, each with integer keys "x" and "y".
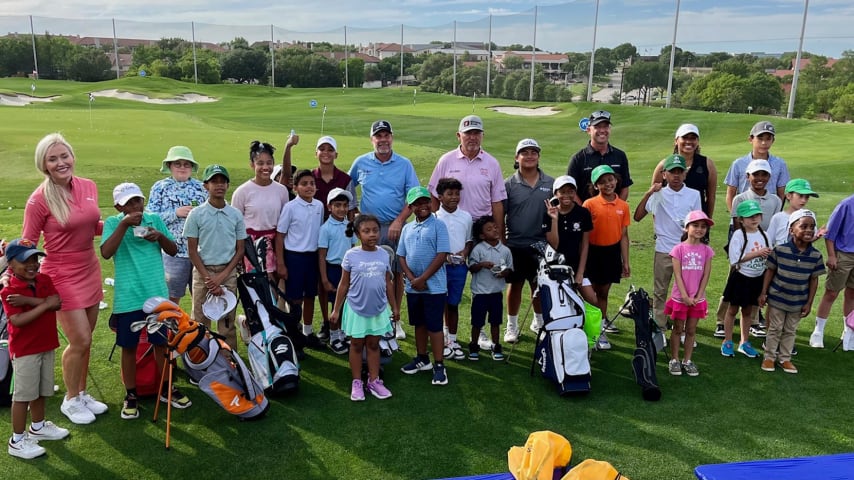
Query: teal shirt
{"x": 218, "y": 230}
{"x": 139, "y": 265}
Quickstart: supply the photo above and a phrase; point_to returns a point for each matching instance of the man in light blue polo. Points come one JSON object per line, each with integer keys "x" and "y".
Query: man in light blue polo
{"x": 385, "y": 177}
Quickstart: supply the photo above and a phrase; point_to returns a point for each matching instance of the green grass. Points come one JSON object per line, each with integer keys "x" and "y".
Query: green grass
{"x": 731, "y": 412}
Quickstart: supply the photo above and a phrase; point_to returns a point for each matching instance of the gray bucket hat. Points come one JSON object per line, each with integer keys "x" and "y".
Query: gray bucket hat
{"x": 178, "y": 152}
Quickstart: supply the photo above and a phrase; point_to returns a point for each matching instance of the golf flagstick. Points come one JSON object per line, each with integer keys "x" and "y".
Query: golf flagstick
{"x": 322, "y": 120}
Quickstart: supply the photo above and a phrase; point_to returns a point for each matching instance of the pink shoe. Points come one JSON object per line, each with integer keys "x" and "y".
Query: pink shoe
{"x": 357, "y": 391}
{"x": 377, "y": 389}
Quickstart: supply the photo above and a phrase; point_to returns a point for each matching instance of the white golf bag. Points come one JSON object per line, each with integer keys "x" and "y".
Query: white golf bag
{"x": 562, "y": 349}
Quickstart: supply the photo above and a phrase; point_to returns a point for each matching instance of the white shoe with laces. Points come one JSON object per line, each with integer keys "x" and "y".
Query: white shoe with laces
{"x": 817, "y": 339}
{"x": 49, "y": 431}
{"x": 511, "y": 335}
{"x": 93, "y": 405}
{"x": 484, "y": 342}
{"x": 75, "y": 409}
{"x": 26, "y": 448}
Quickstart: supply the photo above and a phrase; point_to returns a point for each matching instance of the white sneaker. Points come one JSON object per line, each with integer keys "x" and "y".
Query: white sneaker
{"x": 603, "y": 343}
{"x": 398, "y": 331}
{"x": 817, "y": 339}
{"x": 484, "y": 342}
{"x": 26, "y": 448}
{"x": 847, "y": 339}
{"x": 511, "y": 335}
{"x": 536, "y": 326}
{"x": 48, "y": 432}
{"x": 75, "y": 409}
{"x": 93, "y": 405}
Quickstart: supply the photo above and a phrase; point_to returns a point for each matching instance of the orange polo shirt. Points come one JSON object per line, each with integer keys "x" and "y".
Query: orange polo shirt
{"x": 609, "y": 218}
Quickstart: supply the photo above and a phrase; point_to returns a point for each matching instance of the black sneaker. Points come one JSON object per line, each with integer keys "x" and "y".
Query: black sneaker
{"x": 610, "y": 327}
{"x": 416, "y": 365}
{"x": 130, "y": 409}
{"x": 339, "y": 346}
{"x": 440, "y": 377}
{"x": 311, "y": 341}
{"x": 474, "y": 351}
{"x": 757, "y": 331}
{"x": 719, "y": 331}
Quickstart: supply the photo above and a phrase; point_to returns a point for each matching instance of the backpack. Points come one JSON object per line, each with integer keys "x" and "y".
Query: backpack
{"x": 594, "y": 470}
{"x": 544, "y": 454}
{"x": 6, "y": 372}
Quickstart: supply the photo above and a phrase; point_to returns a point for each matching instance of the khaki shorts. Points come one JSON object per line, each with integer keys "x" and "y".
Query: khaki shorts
{"x": 843, "y": 276}
{"x": 33, "y": 376}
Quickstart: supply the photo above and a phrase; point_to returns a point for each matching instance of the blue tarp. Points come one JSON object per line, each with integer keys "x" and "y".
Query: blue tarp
{"x": 825, "y": 467}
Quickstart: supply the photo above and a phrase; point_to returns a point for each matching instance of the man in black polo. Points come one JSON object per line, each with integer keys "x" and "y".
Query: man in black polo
{"x": 599, "y": 152}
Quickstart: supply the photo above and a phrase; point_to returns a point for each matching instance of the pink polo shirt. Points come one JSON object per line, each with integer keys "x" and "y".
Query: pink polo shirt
{"x": 71, "y": 261}
{"x": 483, "y": 183}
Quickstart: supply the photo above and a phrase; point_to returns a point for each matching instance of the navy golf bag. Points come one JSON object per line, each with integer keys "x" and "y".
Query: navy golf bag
{"x": 275, "y": 334}
{"x": 562, "y": 349}
{"x": 638, "y": 307}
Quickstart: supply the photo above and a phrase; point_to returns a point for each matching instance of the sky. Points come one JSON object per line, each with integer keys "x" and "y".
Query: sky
{"x": 769, "y": 26}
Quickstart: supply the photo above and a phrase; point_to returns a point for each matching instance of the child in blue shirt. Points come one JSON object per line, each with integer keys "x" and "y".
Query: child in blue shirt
{"x": 296, "y": 249}
{"x": 332, "y": 244}
{"x": 134, "y": 239}
{"x": 423, "y": 248}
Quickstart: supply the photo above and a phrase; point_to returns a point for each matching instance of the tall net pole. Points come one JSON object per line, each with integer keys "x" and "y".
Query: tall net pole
{"x": 454, "y": 88}
{"x": 272, "y": 58}
{"x": 195, "y": 66}
{"x": 489, "y": 58}
{"x": 116, "y": 51}
{"x": 592, "y": 54}
{"x": 35, "y": 57}
{"x": 533, "y": 57}
{"x": 672, "y": 57}
{"x": 346, "y": 60}
{"x": 792, "y": 96}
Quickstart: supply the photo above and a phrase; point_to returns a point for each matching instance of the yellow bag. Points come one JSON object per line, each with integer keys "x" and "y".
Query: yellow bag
{"x": 543, "y": 452}
{"x": 593, "y": 470}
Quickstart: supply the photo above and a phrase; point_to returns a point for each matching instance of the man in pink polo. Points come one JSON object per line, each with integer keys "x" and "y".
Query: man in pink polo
{"x": 483, "y": 190}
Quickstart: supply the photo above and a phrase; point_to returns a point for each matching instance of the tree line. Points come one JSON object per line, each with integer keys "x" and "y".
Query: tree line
{"x": 735, "y": 83}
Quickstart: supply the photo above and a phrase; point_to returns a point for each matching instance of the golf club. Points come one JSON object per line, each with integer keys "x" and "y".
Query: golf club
{"x": 138, "y": 325}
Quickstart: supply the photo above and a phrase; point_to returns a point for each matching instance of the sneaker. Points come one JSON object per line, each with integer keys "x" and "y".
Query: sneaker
{"x": 377, "y": 389}
{"x": 26, "y": 447}
{"x": 474, "y": 351}
{"x": 603, "y": 343}
{"x": 536, "y": 326}
{"x": 440, "y": 377}
{"x": 690, "y": 368}
{"x": 727, "y": 349}
{"x": 610, "y": 327}
{"x": 788, "y": 367}
{"x": 497, "y": 353}
{"x": 357, "y": 391}
{"x": 49, "y": 431}
{"x": 511, "y": 335}
{"x": 719, "y": 331}
{"x": 179, "y": 400}
{"x": 768, "y": 365}
{"x": 794, "y": 350}
{"x": 76, "y": 411}
{"x": 416, "y": 365}
{"x": 674, "y": 367}
{"x": 93, "y": 405}
{"x": 311, "y": 341}
{"x": 817, "y": 340}
{"x": 757, "y": 331}
{"x": 130, "y": 408}
{"x": 323, "y": 336}
{"x": 747, "y": 349}
{"x": 339, "y": 346}
{"x": 457, "y": 352}
{"x": 399, "y": 333}
{"x": 484, "y": 342}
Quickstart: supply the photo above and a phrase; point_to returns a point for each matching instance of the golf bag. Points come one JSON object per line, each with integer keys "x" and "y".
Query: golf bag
{"x": 209, "y": 361}
{"x": 5, "y": 363}
{"x": 562, "y": 348}
{"x": 146, "y": 380}
{"x": 272, "y": 352}
{"x": 639, "y": 308}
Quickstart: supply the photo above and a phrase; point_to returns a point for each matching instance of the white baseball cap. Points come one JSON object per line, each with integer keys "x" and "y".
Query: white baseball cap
{"x": 124, "y": 192}
{"x": 329, "y": 140}
{"x": 758, "y": 166}
{"x": 527, "y": 143}
{"x": 562, "y": 181}
{"x": 687, "y": 128}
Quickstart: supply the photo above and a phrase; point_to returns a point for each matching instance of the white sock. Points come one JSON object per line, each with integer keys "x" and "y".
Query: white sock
{"x": 819, "y": 324}
{"x": 334, "y": 334}
{"x": 36, "y": 426}
{"x": 17, "y": 437}
{"x": 539, "y": 318}
{"x": 512, "y": 320}
{"x": 307, "y": 330}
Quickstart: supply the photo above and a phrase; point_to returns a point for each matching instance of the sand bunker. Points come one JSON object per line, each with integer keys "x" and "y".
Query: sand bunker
{"x": 19, "y": 100}
{"x": 526, "y": 112}
{"x": 180, "y": 99}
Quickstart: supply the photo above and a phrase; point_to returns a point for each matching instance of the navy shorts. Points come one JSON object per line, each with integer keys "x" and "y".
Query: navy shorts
{"x": 426, "y": 310}
{"x": 302, "y": 275}
{"x": 333, "y": 274}
{"x": 456, "y": 276}
{"x": 127, "y": 339}
{"x": 487, "y": 304}
{"x": 525, "y": 264}
{"x": 604, "y": 264}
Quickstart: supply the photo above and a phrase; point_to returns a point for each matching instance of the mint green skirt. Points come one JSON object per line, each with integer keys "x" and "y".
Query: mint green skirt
{"x": 357, "y": 326}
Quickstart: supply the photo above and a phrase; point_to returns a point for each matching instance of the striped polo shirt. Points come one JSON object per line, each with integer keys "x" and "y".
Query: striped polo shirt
{"x": 789, "y": 288}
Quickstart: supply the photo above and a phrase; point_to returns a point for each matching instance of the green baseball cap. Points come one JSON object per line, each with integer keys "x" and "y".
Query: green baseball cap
{"x": 599, "y": 171}
{"x": 178, "y": 152}
{"x": 675, "y": 161}
{"x": 800, "y": 185}
{"x": 415, "y": 193}
{"x": 748, "y": 208}
{"x": 213, "y": 170}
